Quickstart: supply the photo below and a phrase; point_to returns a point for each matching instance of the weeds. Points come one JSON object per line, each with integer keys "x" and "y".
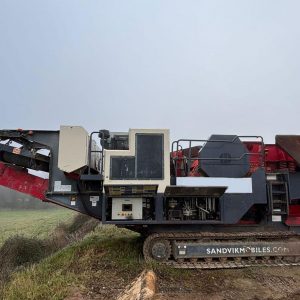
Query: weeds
{"x": 20, "y": 251}
{"x": 103, "y": 263}
{"x": 100, "y": 265}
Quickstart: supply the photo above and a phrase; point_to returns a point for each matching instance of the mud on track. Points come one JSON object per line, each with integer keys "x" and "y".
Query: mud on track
{"x": 252, "y": 283}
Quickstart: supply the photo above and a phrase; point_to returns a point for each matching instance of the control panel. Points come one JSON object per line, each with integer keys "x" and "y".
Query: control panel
{"x": 127, "y": 208}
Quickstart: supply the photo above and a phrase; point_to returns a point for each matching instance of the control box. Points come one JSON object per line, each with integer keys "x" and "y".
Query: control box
{"x": 127, "y": 208}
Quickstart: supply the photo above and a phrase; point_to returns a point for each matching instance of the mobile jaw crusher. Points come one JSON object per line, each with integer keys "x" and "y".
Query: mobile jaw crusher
{"x": 228, "y": 201}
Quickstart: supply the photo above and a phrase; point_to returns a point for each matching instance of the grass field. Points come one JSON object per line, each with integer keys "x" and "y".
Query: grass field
{"x": 100, "y": 265}
{"x": 31, "y": 223}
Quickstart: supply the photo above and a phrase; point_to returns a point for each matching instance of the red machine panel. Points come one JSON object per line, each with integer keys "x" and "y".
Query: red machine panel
{"x": 19, "y": 180}
{"x": 276, "y": 159}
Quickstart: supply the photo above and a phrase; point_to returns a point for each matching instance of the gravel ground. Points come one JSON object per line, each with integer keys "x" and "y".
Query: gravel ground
{"x": 252, "y": 283}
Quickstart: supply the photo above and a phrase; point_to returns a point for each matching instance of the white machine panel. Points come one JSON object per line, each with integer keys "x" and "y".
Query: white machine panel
{"x": 235, "y": 185}
{"x": 73, "y": 149}
{"x": 127, "y": 208}
{"x": 131, "y": 152}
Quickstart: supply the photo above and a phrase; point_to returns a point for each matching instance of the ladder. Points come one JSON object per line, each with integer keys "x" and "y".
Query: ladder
{"x": 278, "y": 195}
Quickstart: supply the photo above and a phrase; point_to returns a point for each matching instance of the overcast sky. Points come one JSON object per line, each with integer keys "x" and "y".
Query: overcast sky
{"x": 196, "y": 67}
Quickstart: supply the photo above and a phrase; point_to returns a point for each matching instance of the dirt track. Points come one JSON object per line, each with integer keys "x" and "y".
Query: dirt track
{"x": 255, "y": 283}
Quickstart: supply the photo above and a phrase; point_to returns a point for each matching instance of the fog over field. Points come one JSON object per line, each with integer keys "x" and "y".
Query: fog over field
{"x": 10, "y": 199}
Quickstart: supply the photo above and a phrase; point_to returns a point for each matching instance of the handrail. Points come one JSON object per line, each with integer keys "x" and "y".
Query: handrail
{"x": 190, "y": 159}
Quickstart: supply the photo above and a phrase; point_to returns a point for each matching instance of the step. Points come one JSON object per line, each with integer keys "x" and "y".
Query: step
{"x": 277, "y": 213}
{"x": 279, "y": 192}
{"x": 279, "y": 201}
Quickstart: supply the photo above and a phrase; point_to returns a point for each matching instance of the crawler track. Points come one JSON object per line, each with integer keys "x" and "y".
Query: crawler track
{"x": 165, "y": 244}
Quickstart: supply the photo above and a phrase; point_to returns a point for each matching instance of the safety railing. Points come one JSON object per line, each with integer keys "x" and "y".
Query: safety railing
{"x": 178, "y": 149}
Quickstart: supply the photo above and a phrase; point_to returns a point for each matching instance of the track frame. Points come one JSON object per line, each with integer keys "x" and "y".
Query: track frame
{"x": 290, "y": 241}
